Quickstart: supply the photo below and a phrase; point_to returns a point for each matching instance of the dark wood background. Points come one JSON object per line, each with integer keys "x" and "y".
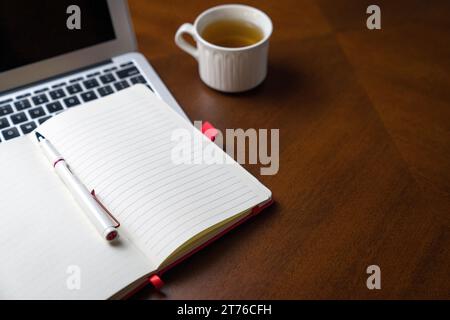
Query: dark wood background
{"x": 364, "y": 119}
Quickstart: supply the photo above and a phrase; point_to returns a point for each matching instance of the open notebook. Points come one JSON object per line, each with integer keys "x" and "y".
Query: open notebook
{"x": 121, "y": 146}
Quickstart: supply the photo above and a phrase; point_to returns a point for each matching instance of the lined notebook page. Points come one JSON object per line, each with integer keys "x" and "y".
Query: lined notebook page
{"x": 46, "y": 241}
{"x": 121, "y": 146}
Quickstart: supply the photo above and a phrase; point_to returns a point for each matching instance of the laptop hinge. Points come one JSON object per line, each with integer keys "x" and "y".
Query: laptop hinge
{"x": 65, "y": 74}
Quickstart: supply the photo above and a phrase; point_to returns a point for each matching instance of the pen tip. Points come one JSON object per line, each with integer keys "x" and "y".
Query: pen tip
{"x": 39, "y": 136}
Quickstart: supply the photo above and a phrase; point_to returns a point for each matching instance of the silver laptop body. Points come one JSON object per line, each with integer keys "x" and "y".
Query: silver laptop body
{"x": 47, "y": 67}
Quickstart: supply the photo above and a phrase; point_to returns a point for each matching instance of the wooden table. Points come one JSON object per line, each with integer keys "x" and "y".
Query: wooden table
{"x": 364, "y": 179}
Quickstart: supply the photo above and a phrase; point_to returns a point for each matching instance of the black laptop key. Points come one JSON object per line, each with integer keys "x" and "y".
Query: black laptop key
{"x": 22, "y": 104}
{"x": 36, "y": 112}
{"x": 4, "y": 110}
{"x": 19, "y": 118}
{"x": 138, "y": 79}
{"x": 126, "y": 64}
{"x": 41, "y": 90}
{"x": 40, "y": 99}
{"x": 88, "y": 96}
{"x": 28, "y": 127}
{"x": 58, "y": 85}
{"x": 4, "y": 123}
{"x": 128, "y": 72}
{"x": 75, "y": 88}
{"x": 110, "y": 69}
{"x": 75, "y": 80}
{"x": 54, "y": 107}
{"x": 92, "y": 74}
{"x": 107, "y": 78}
{"x": 121, "y": 85}
{"x": 10, "y": 133}
{"x": 57, "y": 94}
{"x": 71, "y": 101}
{"x": 104, "y": 91}
{"x": 23, "y": 96}
{"x": 6, "y": 101}
{"x": 91, "y": 83}
{"x": 42, "y": 120}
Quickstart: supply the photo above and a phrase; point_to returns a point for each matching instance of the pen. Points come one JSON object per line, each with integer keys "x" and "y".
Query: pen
{"x": 103, "y": 222}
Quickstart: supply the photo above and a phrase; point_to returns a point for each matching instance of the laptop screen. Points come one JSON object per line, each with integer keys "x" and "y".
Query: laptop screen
{"x": 31, "y": 31}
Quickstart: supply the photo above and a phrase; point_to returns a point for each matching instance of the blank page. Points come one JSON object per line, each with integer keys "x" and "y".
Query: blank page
{"x": 122, "y": 146}
{"x": 48, "y": 249}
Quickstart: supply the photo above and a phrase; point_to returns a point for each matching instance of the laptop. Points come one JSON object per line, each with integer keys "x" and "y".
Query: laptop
{"x": 47, "y": 66}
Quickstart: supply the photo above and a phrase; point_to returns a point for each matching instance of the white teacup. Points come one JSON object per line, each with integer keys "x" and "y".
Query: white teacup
{"x": 228, "y": 69}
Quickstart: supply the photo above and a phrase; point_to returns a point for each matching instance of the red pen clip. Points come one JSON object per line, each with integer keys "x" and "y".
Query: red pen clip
{"x": 104, "y": 208}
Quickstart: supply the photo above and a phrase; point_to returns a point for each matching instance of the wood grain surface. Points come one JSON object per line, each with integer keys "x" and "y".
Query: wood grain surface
{"x": 364, "y": 119}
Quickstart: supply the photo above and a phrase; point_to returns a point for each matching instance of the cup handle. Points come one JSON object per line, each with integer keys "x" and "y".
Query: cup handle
{"x": 183, "y": 44}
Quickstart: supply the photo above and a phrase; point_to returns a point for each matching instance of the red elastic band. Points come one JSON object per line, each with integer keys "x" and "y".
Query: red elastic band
{"x": 156, "y": 281}
{"x": 209, "y": 130}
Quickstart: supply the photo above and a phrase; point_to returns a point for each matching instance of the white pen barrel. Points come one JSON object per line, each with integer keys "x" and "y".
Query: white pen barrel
{"x": 96, "y": 214}
{"x": 104, "y": 224}
{"x": 50, "y": 152}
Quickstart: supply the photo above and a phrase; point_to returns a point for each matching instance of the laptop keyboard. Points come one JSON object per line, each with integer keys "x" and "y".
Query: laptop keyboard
{"x": 26, "y": 111}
